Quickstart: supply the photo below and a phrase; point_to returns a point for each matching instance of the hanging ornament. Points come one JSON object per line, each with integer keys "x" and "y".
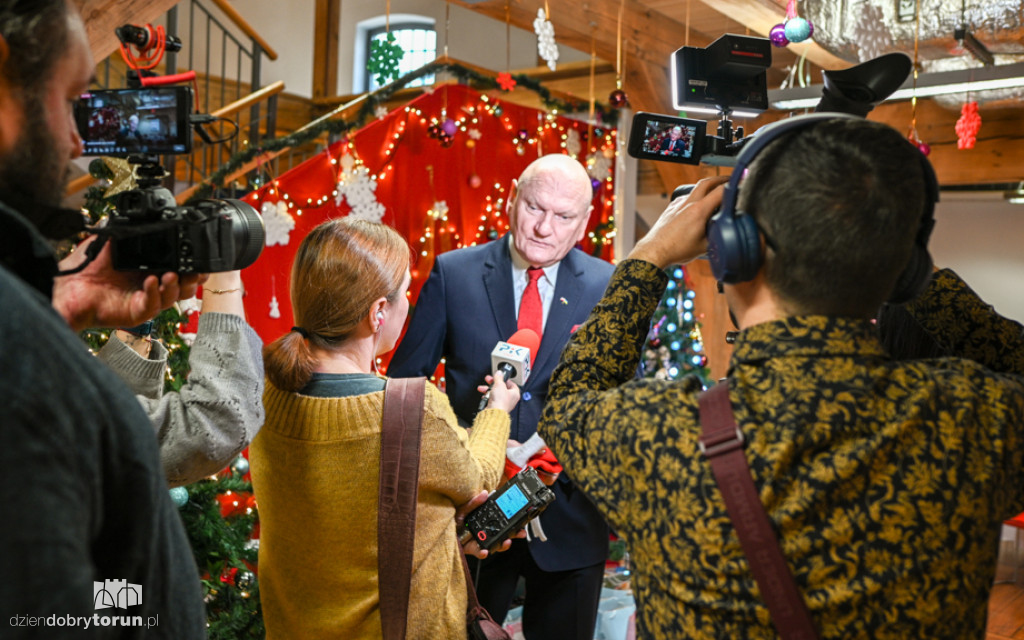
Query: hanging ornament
{"x": 385, "y": 54}
{"x": 275, "y": 307}
{"x": 598, "y": 166}
{"x": 245, "y": 580}
{"x": 179, "y": 496}
{"x": 506, "y": 82}
{"x": 124, "y": 176}
{"x": 797, "y": 29}
{"x": 277, "y": 222}
{"x": 572, "y": 142}
{"x": 380, "y": 111}
{"x": 546, "y": 47}
{"x": 240, "y": 466}
{"x": 794, "y": 28}
{"x": 777, "y": 35}
{"x": 618, "y": 99}
{"x": 474, "y": 181}
{"x": 449, "y": 127}
{"x": 968, "y": 125}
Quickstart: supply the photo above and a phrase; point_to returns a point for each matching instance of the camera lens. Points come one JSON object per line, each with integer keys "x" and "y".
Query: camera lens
{"x": 246, "y": 229}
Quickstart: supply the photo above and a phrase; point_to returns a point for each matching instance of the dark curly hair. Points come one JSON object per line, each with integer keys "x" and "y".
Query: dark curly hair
{"x": 36, "y": 32}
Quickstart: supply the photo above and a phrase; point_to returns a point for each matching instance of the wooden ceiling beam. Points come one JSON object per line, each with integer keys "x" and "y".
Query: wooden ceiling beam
{"x": 761, "y": 15}
{"x": 593, "y": 25}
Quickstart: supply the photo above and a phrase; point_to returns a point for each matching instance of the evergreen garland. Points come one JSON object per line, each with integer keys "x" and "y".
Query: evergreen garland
{"x": 367, "y": 111}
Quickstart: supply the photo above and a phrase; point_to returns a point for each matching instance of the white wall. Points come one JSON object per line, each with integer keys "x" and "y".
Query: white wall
{"x": 980, "y": 237}
{"x": 288, "y": 28}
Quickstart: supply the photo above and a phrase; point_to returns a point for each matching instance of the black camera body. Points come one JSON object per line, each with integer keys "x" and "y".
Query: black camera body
{"x": 728, "y": 77}
{"x": 151, "y": 233}
{"x": 148, "y": 231}
{"x": 521, "y": 499}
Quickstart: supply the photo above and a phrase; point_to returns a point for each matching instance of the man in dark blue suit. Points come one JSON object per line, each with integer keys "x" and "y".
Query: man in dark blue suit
{"x": 468, "y": 304}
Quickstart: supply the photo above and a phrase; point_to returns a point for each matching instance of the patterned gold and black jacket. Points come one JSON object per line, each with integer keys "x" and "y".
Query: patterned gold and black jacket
{"x": 886, "y": 481}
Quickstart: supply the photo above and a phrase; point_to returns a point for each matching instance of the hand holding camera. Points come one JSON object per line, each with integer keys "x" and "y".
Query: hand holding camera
{"x": 679, "y": 235}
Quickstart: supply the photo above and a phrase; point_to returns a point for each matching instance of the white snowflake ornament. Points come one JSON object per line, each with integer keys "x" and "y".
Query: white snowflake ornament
{"x": 598, "y": 166}
{"x": 439, "y": 211}
{"x": 546, "y": 47}
{"x": 380, "y": 111}
{"x": 572, "y": 143}
{"x": 277, "y": 221}
{"x": 357, "y": 187}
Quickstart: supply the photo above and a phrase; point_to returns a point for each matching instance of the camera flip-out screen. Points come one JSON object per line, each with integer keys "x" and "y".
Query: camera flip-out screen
{"x": 659, "y": 137}
{"x": 149, "y": 120}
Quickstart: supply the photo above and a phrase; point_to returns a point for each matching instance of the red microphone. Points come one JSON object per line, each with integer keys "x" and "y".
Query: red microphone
{"x": 513, "y": 359}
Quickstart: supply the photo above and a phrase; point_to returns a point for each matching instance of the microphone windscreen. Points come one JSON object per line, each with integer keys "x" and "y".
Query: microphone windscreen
{"x": 526, "y": 338}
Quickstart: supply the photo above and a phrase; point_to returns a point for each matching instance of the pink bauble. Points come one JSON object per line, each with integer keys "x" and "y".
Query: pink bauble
{"x": 474, "y": 181}
{"x": 924, "y": 147}
{"x": 449, "y": 127}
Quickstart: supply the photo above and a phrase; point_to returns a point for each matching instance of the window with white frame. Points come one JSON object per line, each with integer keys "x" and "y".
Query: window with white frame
{"x": 418, "y": 40}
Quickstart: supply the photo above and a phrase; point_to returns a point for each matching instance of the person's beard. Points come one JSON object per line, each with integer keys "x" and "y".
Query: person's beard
{"x": 33, "y": 171}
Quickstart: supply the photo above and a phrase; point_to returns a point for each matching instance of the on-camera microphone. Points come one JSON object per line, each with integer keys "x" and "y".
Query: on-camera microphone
{"x": 513, "y": 359}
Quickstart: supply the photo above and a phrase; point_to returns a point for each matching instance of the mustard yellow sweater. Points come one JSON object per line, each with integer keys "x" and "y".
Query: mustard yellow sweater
{"x": 314, "y": 465}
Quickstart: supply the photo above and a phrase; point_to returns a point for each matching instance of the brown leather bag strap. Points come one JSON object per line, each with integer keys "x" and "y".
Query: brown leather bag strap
{"x": 721, "y": 442}
{"x": 396, "y": 504}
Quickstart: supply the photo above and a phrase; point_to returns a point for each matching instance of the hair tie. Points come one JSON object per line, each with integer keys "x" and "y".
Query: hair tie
{"x": 302, "y": 332}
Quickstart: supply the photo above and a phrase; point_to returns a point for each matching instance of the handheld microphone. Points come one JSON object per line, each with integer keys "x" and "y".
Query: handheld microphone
{"x": 513, "y": 359}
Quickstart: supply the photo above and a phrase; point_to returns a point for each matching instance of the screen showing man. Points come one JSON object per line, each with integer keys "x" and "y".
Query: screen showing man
{"x": 122, "y": 121}
{"x": 670, "y": 140}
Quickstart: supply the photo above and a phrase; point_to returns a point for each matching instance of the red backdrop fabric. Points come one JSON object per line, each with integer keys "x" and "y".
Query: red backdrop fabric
{"x": 494, "y": 141}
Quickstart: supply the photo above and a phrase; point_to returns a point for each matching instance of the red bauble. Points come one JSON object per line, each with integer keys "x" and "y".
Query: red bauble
{"x": 618, "y": 99}
{"x": 474, "y": 181}
{"x": 924, "y": 147}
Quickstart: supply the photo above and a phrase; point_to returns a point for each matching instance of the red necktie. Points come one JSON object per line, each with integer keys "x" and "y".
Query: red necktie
{"x": 531, "y": 311}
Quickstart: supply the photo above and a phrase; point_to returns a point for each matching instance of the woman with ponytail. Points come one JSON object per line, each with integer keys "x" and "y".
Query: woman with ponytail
{"x": 315, "y": 462}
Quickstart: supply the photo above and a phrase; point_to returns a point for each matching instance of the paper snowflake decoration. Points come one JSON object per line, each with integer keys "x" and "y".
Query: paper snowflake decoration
{"x": 380, "y": 111}
{"x": 439, "y": 211}
{"x": 356, "y": 186}
{"x": 385, "y": 55}
{"x": 277, "y": 221}
{"x": 474, "y": 133}
{"x": 506, "y": 81}
{"x": 598, "y": 165}
{"x": 546, "y": 47}
{"x": 572, "y": 142}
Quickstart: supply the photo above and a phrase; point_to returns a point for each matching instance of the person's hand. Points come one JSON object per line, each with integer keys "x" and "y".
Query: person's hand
{"x": 471, "y": 546}
{"x": 99, "y": 296}
{"x": 504, "y": 393}
{"x": 680, "y": 233}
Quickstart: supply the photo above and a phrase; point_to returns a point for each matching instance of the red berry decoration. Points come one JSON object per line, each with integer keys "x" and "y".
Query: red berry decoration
{"x": 967, "y": 126}
{"x": 618, "y": 99}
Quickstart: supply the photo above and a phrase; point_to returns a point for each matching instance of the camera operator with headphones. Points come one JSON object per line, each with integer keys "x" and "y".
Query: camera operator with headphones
{"x": 885, "y": 482}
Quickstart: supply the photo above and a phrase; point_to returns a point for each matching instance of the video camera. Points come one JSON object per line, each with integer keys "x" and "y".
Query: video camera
{"x": 729, "y": 75}
{"x": 148, "y": 231}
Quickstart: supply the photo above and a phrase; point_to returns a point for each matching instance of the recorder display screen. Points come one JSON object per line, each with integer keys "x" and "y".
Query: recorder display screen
{"x": 511, "y": 501}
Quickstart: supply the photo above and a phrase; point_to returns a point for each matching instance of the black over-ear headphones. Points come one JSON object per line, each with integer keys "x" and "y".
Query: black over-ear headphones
{"x": 734, "y": 242}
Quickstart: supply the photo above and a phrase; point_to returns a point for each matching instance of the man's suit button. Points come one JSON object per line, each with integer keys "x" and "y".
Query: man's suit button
{"x": 526, "y": 396}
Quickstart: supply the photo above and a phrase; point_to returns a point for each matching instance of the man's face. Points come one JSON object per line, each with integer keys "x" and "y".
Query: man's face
{"x": 675, "y": 133}
{"x": 548, "y": 214}
{"x": 38, "y": 135}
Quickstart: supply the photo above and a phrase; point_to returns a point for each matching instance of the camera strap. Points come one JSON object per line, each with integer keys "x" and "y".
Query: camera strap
{"x": 396, "y": 503}
{"x": 721, "y": 441}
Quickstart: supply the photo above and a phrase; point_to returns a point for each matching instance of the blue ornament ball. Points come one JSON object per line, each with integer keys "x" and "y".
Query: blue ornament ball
{"x": 240, "y": 465}
{"x": 798, "y": 29}
{"x": 777, "y": 35}
{"x": 179, "y": 495}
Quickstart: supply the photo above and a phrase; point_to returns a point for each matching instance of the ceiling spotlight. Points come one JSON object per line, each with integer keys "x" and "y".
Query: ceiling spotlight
{"x": 974, "y": 46}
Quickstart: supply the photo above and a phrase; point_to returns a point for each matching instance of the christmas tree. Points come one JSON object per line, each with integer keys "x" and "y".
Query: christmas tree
{"x": 219, "y": 513}
{"x": 674, "y": 346}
